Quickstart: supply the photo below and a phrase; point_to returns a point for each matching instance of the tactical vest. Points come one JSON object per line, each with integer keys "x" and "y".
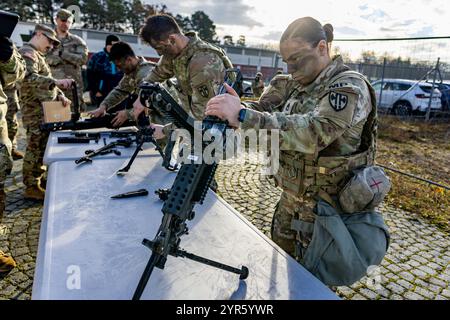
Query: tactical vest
{"x": 308, "y": 175}
{"x": 181, "y": 67}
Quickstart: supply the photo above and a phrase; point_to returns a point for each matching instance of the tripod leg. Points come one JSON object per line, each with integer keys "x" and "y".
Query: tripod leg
{"x": 133, "y": 157}
{"x": 243, "y": 272}
{"x": 145, "y": 276}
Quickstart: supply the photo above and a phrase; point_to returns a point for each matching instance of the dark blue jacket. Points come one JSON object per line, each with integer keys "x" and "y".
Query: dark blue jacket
{"x": 102, "y": 74}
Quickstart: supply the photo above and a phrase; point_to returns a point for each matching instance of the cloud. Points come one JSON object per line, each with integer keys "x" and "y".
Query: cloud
{"x": 230, "y": 12}
{"x": 386, "y": 29}
{"x": 363, "y": 7}
{"x": 424, "y": 32}
{"x": 273, "y": 36}
{"x": 342, "y": 31}
{"x": 405, "y": 23}
{"x": 376, "y": 16}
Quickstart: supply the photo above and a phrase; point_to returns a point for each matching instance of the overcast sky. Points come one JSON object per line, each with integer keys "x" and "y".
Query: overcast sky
{"x": 263, "y": 20}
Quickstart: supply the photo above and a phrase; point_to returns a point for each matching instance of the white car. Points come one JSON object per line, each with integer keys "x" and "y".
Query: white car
{"x": 247, "y": 88}
{"x": 404, "y": 97}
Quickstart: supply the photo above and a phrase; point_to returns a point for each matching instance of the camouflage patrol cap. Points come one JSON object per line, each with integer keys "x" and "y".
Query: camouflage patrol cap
{"x": 64, "y": 15}
{"x": 48, "y": 32}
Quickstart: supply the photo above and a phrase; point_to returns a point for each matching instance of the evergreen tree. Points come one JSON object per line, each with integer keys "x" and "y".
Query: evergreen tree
{"x": 205, "y": 27}
{"x": 94, "y": 14}
{"x": 116, "y": 15}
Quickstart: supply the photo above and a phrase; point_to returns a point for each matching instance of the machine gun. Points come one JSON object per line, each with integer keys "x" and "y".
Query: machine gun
{"x": 145, "y": 134}
{"x": 109, "y": 148}
{"x": 189, "y": 188}
{"x": 77, "y": 123}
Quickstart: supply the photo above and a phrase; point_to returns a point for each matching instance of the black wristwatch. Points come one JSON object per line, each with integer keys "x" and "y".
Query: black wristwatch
{"x": 241, "y": 115}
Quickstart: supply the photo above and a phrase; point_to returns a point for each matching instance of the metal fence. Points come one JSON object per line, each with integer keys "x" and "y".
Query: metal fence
{"x": 424, "y": 61}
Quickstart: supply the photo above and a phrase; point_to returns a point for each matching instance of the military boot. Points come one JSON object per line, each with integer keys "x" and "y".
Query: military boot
{"x": 16, "y": 154}
{"x": 34, "y": 193}
{"x": 7, "y": 263}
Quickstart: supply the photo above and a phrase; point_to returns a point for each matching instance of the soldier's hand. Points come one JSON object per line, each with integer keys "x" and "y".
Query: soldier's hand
{"x": 158, "y": 134}
{"x": 64, "y": 83}
{"x": 98, "y": 94}
{"x": 120, "y": 118}
{"x": 138, "y": 108}
{"x": 6, "y": 49}
{"x": 99, "y": 112}
{"x": 66, "y": 102}
{"x": 225, "y": 106}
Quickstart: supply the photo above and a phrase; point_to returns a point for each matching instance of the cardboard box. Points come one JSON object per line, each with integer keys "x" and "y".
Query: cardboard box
{"x": 54, "y": 111}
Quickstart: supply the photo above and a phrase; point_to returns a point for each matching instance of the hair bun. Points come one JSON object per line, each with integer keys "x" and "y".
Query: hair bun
{"x": 328, "y": 28}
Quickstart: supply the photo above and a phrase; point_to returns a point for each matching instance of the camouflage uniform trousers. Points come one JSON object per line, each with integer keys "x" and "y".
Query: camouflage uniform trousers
{"x": 288, "y": 208}
{"x": 5, "y": 169}
{"x": 33, "y": 168}
{"x": 11, "y": 118}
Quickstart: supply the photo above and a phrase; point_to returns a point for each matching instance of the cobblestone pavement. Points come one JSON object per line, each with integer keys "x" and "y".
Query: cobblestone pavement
{"x": 19, "y": 233}
{"x": 416, "y": 267}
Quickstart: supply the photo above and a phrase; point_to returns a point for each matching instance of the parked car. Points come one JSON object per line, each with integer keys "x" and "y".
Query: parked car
{"x": 444, "y": 88}
{"x": 404, "y": 97}
{"x": 247, "y": 88}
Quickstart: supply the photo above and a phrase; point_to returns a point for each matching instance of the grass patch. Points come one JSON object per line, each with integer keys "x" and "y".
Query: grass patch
{"x": 422, "y": 149}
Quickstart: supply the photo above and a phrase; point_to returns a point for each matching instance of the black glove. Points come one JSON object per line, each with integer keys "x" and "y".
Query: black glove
{"x": 6, "y": 49}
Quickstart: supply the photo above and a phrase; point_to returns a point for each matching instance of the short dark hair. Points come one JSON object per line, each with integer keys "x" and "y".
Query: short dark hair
{"x": 121, "y": 50}
{"x": 158, "y": 27}
{"x": 110, "y": 38}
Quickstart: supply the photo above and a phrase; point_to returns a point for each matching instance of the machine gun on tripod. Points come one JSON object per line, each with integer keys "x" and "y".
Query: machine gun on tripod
{"x": 189, "y": 188}
{"x": 145, "y": 134}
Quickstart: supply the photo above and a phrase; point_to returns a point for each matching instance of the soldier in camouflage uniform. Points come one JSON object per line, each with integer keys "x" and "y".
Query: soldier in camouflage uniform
{"x": 11, "y": 119}
{"x": 135, "y": 70}
{"x": 67, "y": 59}
{"x": 258, "y": 85}
{"x": 326, "y": 117}
{"x": 12, "y": 69}
{"x": 198, "y": 66}
{"x": 38, "y": 86}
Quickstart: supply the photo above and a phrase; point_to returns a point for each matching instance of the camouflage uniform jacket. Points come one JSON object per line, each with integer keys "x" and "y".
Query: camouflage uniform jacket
{"x": 199, "y": 70}
{"x": 39, "y": 84}
{"x": 67, "y": 59}
{"x": 10, "y": 72}
{"x": 258, "y": 87}
{"x": 129, "y": 84}
{"x": 323, "y": 119}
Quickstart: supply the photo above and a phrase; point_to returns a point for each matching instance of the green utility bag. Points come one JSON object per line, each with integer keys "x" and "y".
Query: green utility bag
{"x": 343, "y": 246}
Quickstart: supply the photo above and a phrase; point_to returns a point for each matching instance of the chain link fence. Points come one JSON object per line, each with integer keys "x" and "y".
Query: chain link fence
{"x": 411, "y": 76}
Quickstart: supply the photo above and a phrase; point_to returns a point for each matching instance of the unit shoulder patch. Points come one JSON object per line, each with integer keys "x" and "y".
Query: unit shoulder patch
{"x": 338, "y": 101}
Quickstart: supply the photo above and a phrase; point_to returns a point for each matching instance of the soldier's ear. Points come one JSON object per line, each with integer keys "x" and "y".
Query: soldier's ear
{"x": 172, "y": 39}
{"x": 323, "y": 47}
